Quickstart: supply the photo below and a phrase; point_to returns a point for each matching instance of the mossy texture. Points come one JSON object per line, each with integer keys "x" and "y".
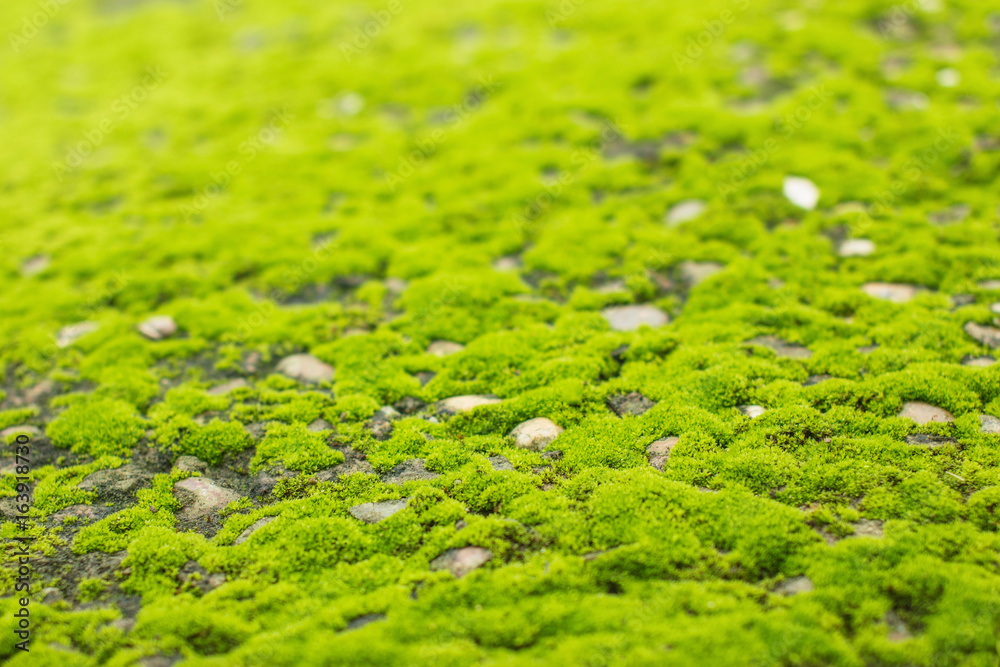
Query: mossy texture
{"x": 440, "y": 200}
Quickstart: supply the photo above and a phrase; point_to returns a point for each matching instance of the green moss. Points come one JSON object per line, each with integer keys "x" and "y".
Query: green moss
{"x": 296, "y": 447}
{"x": 97, "y": 427}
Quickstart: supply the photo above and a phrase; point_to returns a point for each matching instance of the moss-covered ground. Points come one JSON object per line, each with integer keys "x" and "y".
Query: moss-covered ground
{"x": 800, "y": 467}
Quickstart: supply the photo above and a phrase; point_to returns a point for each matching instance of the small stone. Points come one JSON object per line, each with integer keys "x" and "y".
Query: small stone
{"x": 979, "y": 361}
{"x": 751, "y": 411}
{"x": 857, "y": 248}
{"x": 898, "y": 630}
{"x": 457, "y": 404}
{"x": 959, "y": 300}
{"x": 74, "y": 332}
{"x": 501, "y": 463}
{"x": 684, "y": 211}
{"x": 801, "y": 191}
{"x": 995, "y": 308}
{"x": 925, "y": 413}
{"x": 989, "y": 424}
{"x": 201, "y": 496}
{"x": 869, "y": 528}
{"x": 409, "y": 405}
{"x": 612, "y": 287}
{"x": 535, "y": 434}
{"x": 51, "y": 595}
{"x": 695, "y": 273}
{"x": 461, "y": 562}
{"x": 794, "y": 586}
{"x": 158, "y": 327}
{"x": 318, "y": 425}
{"x": 252, "y": 362}
{"x": 444, "y": 348}
{"x": 507, "y": 264}
{"x": 424, "y": 377}
{"x": 380, "y": 427}
{"x": 990, "y": 285}
{"x": 224, "y": 389}
{"x": 395, "y": 285}
{"x": 115, "y": 481}
{"x": 950, "y": 216}
{"x": 948, "y": 77}
{"x": 632, "y": 403}
{"x": 816, "y": 379}
{"x": 781, "y": 348}
{"x": 375, "y": 512}
{"x": 190, "y": 464}
{"x": 895, "y": 293}
{"x": 305, "y": 368}
{"x": 253, "y": 528}
{"x": 988, "y": 336}
{"x": 658, "y": 451}
{"x": 388, "y": 412}
{"x": 409, "y": 471}
{"x": 630, "y": 318}
{"x": 926, "y": 440}
{"x": 34, "y": 265}
{"x": 362, "y": 621}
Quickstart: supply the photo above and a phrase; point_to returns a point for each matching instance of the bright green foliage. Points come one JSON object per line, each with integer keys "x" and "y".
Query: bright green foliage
{"x": 359, "y": 180}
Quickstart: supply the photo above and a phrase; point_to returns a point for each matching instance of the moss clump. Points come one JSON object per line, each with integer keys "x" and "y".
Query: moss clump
{"x": 296, "y": 447}
{"x": 98, "y": 427}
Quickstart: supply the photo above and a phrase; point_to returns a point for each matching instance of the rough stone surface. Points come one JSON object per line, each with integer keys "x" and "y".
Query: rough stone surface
{"x": 201, "y": 496}
{"x": 632, "y": 403}
{"x": 461, "y": 562}
{"x": 989, "y": 336}
{"x": 926, "y": 440}
{"x": 190, "y": 464}
{"x": 535, "y": 433}
{"x": 347, "y": 468}
{"x": 658, "y": 452}
{"x": 890, "y": 292}
{"x": 305, "y": 368}
{"x": 375, "y": 512}
{"x": 869, "y": 528}
{"x": 253, "y": 528}
{"x": 630, "y": 318}
{"x": 457, "y": 404}
{"x": 501, "y": 463}
{"x": 979, "y": 361}
{"x": 409, "y": 471}
{"x": 444, "y": 348}
{"x": 158, "y": 327}
{"x": 989, "y": 424}
{"x": 115, "y": 482}
{"x": 925, "y": 413}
